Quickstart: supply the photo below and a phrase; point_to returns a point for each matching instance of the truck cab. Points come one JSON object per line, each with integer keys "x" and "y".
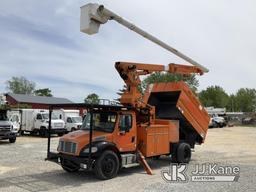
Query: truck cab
{"x": 72, "y": 119}
{"x": 36, "y": 121}
{"x": 113, "y": 138}
{"x": 217, "y": 121}
{"x": 73, "y": 123}
{"x": 41, "y": 120}
{"x": 6, "y": 128}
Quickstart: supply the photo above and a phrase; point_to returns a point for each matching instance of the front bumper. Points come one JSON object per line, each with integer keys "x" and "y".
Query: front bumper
{"x": 7, "y": 135}
{"x": 83, "y": 162}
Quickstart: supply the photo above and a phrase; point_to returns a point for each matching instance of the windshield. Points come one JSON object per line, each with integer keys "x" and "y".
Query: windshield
{"x": 3, "y": 117}
{"x": 76, "y": 119}
{"x": 46, "y": 116}
{"x": 102, "y": 121}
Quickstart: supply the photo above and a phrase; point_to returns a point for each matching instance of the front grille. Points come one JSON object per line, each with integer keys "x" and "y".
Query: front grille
{"x": 5, "y": 127}
{"x": 58, "y": 125}
{"x": 67, "y": 147}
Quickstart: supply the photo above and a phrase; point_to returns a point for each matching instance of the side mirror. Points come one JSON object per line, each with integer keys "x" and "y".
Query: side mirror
{"x": 127, "y": 129}
{"x": 122, "y": 132}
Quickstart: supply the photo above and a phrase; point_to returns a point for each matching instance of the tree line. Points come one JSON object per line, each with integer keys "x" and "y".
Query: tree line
{"x": 243, "y": 100}
{"x": 21, "y": 85}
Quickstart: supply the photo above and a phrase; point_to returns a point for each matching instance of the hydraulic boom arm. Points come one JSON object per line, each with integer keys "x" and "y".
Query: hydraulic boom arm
{"x": 93, "y": 15}
{"x": 131, "y": 72}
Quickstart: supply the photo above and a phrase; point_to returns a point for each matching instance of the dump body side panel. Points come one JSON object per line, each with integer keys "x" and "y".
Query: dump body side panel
{"x": 176, "y": 101}
{"x": 155, "y": 139}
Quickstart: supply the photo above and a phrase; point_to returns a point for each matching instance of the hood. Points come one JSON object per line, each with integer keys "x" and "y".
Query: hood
{"x": 78, "y": 123}
{"x": 5, "y": 123}
{"x": 82, "y": 137}
{"x": 218, "y": 119}
{"x": 57, "y": 120}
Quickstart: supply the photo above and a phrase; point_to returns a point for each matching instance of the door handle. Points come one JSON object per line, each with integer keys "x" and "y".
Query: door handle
{"x": 133, "y": 139}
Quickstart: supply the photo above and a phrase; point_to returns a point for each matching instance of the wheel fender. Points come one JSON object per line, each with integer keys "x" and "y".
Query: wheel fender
{"x": 102, "y": 146}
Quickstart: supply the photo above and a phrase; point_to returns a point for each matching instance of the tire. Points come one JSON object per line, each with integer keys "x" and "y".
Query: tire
{"x": 34, "y": 133}
{"x": 12, "y": 140}
{"x": 60, "y": 134}
{"x": 22, "y": 132}
{"x": 215, "y": 125}
{"x": 183, "y": 153}
{"x": 156, "y": 157}
{"x": 43, "y": 132}
{"x": 73, "y": 129}
{"x": 107, "y": 165}
{"x": 69, "y": 166}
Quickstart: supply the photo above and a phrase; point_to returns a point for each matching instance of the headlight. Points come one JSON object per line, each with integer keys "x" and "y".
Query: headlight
{"x": 94, "y": 150}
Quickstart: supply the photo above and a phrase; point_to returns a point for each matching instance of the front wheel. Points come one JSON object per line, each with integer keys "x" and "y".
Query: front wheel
{"x": 60, "y": 134}
{"x": 43, "y": 132}
{"x": 107, "y": 165}
{"x": 12, "y": 140}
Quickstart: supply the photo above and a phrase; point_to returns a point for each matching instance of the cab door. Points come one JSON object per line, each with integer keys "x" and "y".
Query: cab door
{"x": 125, "y": 136}
{"x": 15, "y": 119}
{"x": 38, "y": 121}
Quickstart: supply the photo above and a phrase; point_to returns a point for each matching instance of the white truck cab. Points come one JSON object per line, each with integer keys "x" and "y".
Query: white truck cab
{"x": 37, "y": 121}
{"x": 72, "y": 119}
{"x": 216, "y": 121}
{"x": 7, "y": 130}
{"x": 14, "y": 117}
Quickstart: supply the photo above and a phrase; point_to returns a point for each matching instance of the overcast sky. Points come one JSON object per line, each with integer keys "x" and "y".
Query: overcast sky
{"x": 41, "y": 40}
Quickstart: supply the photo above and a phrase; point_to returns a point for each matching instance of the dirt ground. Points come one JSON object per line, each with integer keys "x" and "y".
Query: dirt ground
{"x": 23, "y": 168}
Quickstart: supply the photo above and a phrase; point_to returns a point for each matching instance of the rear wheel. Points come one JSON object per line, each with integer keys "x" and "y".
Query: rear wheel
{"x": 73, "y": 129}
{"x": 183, "y": 153}
{"x": 107, "y": 165}
{"x": 12, "y": 140}
{"x": 156, "y": 157}
{"x": 22, "y": 132}
{"x": 69, "y": 166}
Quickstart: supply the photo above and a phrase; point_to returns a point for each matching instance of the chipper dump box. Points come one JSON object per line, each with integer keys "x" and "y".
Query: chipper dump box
{"x": 176, "y": 101}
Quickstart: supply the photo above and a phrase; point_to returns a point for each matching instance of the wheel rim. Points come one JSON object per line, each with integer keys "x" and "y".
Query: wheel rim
{"x": 108, "y": 165}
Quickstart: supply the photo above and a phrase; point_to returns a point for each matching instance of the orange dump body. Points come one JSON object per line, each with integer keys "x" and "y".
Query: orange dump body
{"x": 176, "y": 101}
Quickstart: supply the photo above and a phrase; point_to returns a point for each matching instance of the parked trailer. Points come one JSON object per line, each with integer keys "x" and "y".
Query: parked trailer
{"x": 72, "y": 119}
{"x": 35, "y": 121}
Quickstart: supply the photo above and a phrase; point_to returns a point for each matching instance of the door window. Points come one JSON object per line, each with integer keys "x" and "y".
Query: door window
{"x": 69, "y": 120}
{"x": 15, "y": 118}
{"x": 38, "y": 116}
{"x": 125, "y": 122}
